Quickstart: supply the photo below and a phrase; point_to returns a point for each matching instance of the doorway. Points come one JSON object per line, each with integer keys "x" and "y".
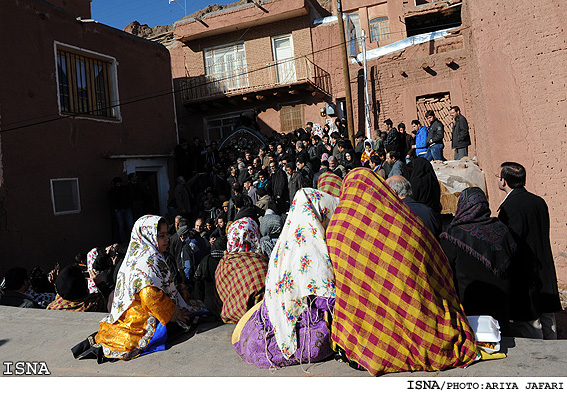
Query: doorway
{"x": 283, "y": 57}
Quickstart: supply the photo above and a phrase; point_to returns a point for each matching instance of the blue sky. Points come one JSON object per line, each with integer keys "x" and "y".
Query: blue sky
{"x": 119, "y": 13}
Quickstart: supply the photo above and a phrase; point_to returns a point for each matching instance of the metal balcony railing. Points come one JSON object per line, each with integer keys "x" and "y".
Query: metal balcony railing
{"x": 256, "y": 78}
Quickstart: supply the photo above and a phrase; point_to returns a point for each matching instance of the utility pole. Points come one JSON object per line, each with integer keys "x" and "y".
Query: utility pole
{"x": 366, "y": 98}
{"x": 346, "y": 73}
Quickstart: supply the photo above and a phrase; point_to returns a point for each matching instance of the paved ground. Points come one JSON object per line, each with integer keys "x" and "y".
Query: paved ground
{"x": 43, "y": 335}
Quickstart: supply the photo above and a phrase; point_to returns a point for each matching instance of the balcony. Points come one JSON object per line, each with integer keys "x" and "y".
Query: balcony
{"x": 290, "y": 76}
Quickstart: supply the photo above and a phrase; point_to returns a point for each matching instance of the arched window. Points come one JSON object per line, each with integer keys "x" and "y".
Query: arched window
{"x": 379, "y": 29}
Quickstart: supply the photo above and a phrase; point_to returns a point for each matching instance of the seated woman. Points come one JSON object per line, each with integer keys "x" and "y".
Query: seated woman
{"x": 396, "y": 307}
{"x": 425, "y": 186}
{"x": 329, "y": 183}
{"x": 289, "y": 326}
{"x": 241, "y": 273}
{"x": 479, "y": 248}
{"x": 145, "y": 303}
{"x": 73, "y": 293}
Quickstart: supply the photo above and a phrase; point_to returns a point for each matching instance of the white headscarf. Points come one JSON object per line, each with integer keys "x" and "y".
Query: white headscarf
{"x": 299, "y": 265}
{"x": 143, "y": 266}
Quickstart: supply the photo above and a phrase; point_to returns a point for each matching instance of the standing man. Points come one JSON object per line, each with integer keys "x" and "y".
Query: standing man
{"x": 392, "y": 142}
{"x": 533, "y": 281}
{"x": 420, "y": 138}
{"x": 434, "y": 137}
{"x": 461, "y": 139}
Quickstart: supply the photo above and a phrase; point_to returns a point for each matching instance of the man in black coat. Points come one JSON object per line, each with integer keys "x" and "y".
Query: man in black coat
{"x": 279, "y": 190}
{"x": 534, "y": 294}
{"x": 461, "y": 139}
{"x": 435, "y": 135}
{"x": 392, "y": 142}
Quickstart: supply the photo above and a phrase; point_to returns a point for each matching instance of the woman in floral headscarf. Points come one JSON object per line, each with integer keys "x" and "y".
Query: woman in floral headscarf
{"x": 241, "y": 273}
{"x": 289, "y": 326}
{"x": 145, "y": 301}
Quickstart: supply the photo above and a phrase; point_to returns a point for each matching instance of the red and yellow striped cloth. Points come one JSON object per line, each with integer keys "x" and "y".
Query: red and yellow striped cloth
{"x": 396, "y": 306}
{"x": 240, "y": 280}
{"x": 330, "y": 183}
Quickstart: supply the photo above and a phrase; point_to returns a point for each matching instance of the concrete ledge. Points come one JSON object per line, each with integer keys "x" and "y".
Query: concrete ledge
{"x": 44, "y": 335}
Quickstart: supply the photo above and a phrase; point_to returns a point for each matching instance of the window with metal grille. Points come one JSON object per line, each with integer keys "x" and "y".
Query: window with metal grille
{"x": 85, "y": 85}
{"x": 379, "y": 29}
{"x": 291, "y": 117}
{"x": 65, "y": 196}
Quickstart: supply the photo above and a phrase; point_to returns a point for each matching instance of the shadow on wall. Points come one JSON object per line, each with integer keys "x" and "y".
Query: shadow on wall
{"x": 266, "y": 130}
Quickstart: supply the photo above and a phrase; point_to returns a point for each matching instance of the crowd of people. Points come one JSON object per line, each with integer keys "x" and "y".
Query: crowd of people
{"x": 314, "y": 248}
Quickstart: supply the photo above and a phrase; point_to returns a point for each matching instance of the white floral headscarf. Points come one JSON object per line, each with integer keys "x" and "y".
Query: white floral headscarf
{"x": 243, "y": 236}
{"x": 300, "y": 265}
{"x": 91, "y": 257}
{"x": 143, "y": 266}
{"x": 318, "y": 130}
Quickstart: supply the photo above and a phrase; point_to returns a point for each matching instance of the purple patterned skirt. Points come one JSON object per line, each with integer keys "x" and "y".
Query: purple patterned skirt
{"x": 258, "y": 346}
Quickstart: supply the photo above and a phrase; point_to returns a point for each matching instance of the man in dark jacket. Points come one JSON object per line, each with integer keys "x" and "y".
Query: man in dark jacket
{"x": 434, "y": 137}
{"x": 533, "y": 280}
{"x": 461, "y": 139}
{"x": 392, "y": 142}
{"x": 278, "y": 178}
{"x": 295, "y": 179}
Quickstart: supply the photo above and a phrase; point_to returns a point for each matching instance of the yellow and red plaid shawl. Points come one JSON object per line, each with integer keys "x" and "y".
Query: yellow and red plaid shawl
{"x": 330, "y": 183}
{"x": 396, "y": 306}
{"x": 240, "y": 280}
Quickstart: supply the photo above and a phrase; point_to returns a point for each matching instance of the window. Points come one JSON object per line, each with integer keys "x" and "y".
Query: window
{"x": 85, "y": 84}
{"x": 379, "y": 29}
{"x": 219, "y": 127}
{"x": 65, "y": 196}
{"x": 356, "y": 22}
{"x": 291, "y": 117}
{"x": 226, "y": 68}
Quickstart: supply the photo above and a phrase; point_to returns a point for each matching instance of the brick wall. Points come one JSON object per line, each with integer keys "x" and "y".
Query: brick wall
{"x": 517, "y": 55}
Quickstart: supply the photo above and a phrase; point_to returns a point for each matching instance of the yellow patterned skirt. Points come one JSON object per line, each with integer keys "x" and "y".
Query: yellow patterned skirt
{"x": 130, "y": 334}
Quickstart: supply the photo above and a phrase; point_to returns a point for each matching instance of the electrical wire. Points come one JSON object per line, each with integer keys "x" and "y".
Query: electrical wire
{"x": 135, "y": 99}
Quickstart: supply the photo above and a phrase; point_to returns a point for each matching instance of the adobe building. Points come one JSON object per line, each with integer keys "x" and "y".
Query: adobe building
{"x": 80, "y": 104}
{"x": 248, "y": 57}
{"x": 500, "y": 66}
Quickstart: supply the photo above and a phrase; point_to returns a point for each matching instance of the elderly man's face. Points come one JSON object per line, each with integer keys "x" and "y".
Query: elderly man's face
{"x": 199, "y": 225}
{"x": 332, "y": 164}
